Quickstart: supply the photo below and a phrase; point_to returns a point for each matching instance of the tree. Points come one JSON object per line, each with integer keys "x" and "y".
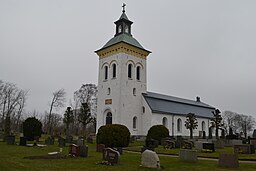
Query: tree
{"x": 84, "y": 116}
{"x": 32, "y": 127}
{"x": 191, "y": 123}
{"x": 58, "y": 100}
{"x": 230, "y": 121}
{"x": 12, "y": 100}
{"x": 157, "y": 132}
{"x": 68, "y": 119}
{"x": 216, "y": 121}
{"x": 246, "y": 123}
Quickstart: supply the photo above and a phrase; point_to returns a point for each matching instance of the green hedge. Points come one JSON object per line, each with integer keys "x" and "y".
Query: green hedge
{"x": 157, "y": 132}
{"x": 113, "y": 135}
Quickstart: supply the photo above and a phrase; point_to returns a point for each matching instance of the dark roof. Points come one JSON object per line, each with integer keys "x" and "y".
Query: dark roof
{"x": 160, "y": 103}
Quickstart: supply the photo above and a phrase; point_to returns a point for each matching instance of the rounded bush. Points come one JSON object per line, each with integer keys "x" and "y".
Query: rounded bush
{"x": 113, "y": 135}
{"x": 32, "y": 127}
{"x": 157, "y": 132}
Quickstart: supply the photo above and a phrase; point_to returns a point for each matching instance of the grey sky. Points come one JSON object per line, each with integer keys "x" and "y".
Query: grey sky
{"x": 200, "y": 48}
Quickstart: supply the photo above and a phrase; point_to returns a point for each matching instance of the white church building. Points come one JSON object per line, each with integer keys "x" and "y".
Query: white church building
{"x": 122, "y": 90}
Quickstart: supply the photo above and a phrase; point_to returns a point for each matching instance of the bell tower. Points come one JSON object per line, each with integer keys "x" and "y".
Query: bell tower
{"x": 121, "y": 78}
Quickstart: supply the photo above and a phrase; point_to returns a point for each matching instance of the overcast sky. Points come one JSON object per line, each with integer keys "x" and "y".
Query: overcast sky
{"x": 200, "y": 48}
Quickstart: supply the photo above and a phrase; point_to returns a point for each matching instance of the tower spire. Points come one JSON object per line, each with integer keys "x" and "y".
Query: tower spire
{"x": 123, "y": 7}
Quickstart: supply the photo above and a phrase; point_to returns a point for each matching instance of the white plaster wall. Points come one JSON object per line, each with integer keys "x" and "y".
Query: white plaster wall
{"x": 125, "y": 105}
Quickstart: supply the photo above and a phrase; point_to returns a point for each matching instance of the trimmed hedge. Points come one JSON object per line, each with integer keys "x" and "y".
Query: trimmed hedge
{"x": 113, "y": 135}
{"x": 157, "y": 132}
{"x": 32, "y": 127}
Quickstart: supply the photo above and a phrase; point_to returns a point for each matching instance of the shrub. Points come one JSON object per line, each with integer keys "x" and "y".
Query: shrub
{"x": 157, "y": 132}
{"x": 113, "y": 135}
{"x": 32, "y": 127}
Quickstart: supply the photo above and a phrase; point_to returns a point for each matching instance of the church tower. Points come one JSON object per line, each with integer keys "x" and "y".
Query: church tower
{"x": 122, "y": 79}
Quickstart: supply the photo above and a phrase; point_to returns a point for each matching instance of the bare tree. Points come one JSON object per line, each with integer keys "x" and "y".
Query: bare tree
{"x": 57, "y": 102}
{"x": 231, "y": 121}
{"x": 246, "y": 124}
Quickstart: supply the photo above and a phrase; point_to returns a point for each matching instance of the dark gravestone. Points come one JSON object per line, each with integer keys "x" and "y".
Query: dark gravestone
{"x": 169, "y": 144}
{"x": 23, "y": 141}
{"x": 49, "y": 141}
{"x": 253, "y": 142}
{"x": 209, "y": 146}
{"x": 100, "y": 147}
{"x": 89, "y": 140}
{"x": 110, "y": 155}
{"x": 228, "y": 160}
{"x": 62, "y": 142}
{"x": 74, "y": 150}
{"x": 10, "y": 140}
{"x": 83, "y": 151}
{"x": 188, "y": 155}
{"x": 254, "y": 133}
{"x": 244, "y": 149}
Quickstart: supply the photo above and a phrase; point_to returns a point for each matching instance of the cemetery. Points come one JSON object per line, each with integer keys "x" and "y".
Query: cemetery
{"x": 76, "y": 153}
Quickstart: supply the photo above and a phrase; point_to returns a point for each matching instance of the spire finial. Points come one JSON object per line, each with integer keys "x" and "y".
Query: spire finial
{"x": 123, "y": 7}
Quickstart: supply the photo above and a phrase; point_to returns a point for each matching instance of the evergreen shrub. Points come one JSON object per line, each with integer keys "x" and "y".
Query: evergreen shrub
{"x": 157, "y": 132}
{"x": 113, "y": 135}
{"x": 32, "y": 127}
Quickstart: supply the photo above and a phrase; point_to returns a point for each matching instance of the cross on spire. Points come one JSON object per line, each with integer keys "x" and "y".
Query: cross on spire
{"x": 123, "y": 7}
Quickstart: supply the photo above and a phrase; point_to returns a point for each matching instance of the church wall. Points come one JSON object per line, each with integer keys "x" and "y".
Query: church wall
{"x": 147, "y": 118}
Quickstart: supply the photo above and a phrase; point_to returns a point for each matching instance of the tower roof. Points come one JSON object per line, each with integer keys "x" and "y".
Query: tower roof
{"x": 123, "y": 33}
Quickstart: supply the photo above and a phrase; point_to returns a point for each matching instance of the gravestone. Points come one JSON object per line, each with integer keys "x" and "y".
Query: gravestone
{"x": 253, "y": 142}
{"x": 74, "y": 150}
{"x": 80, "y": 142}
{"x": 119, "y": 149}
{"x": 254, "y": 133}
{"x": 89, "y": 140}
{"x": 110, "y": 155}
{"x": 209, "y": 146}
{"x": 179, "y": 142}
{"x": 49, "y": 141}
{"x": 187, "y": 145}
{"x": 150, "y": 159}
{"x": 83, "y": 151}
{"x": 228, "y": 160}
{"x": 218, "y": 143}
{"x": 200, "y": 134}
{"x": 100, "y": 148}
{"x": 188, "y": 155}
{"x": 169, "y": 144}
{"x": 62, "y": 142}
{"x": 10, "y": 140}
{"x": 244, "y": 149}
{"x": 23, "y": 141}
{"x": 199, "y": 145}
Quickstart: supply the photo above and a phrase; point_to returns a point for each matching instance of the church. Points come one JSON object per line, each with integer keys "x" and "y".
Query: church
{"x": 122, "y": 90}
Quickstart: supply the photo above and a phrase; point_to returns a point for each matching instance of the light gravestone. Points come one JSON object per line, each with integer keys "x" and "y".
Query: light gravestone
{"x": 150, "y": 159}
{"x": 110, "y": 155}
{"x": 188, "y": 155}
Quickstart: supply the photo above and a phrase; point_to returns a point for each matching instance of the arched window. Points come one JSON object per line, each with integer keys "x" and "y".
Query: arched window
{"x": 130, "y": 71}
{"x": 165, "y": 122}
{"x": 114, "y": 70}
{"x": 179, "y": 125}
{"x": 138, "y": 73}
{"x": 106, "y": 72}
{"x": 134, "y": 122}
{"x": 143, "y": 109}
{"x": 109, "y": 118}
{"x": 134, "y": 91}
{"x": 203, "y": 126}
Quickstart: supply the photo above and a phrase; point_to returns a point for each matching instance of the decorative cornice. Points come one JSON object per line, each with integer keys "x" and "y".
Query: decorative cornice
{"x": 122, "y": 47}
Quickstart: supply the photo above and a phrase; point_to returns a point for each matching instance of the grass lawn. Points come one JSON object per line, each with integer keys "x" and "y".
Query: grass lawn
{"x": 12, "y": 158}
